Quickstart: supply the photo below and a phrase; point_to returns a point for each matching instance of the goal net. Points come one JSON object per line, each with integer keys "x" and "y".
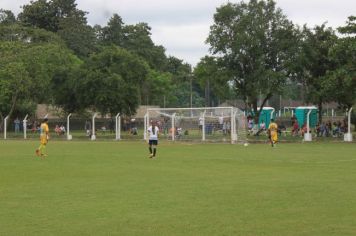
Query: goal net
{"x": 214, "y": 124}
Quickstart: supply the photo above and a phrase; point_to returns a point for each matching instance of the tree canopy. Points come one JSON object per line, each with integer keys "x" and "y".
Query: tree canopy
{"x": 49, "y": 53}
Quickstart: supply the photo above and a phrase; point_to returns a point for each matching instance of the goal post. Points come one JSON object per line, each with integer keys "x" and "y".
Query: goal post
{"x": 210, "y": 124}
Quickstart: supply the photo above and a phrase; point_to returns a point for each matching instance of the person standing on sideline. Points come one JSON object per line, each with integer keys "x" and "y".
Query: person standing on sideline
{"x": 153, "y": 139}
{"x": 44, "y": 136}
{"x": 272, "y": 132}
{"x": 17, "y": 123}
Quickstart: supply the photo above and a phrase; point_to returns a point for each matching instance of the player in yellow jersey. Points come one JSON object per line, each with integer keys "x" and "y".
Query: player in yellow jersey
{"x": 272, "y": 132}
{"x": 44, "y": 136}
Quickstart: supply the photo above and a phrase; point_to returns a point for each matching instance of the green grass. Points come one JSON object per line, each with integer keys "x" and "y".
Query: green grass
{"x": 110, "y": 188}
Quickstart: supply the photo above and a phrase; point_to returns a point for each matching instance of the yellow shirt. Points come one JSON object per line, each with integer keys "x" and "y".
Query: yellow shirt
{"x": 273, "y": 127}
{"x": 44, "y": 129}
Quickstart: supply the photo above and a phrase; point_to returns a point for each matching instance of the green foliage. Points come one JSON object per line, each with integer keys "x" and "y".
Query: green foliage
{"x": 62, "y": 17}
{"x": 7, "y": 17}
{"x": 119, "y": 67}
{"x": 109, "y": 82}
{"x": 134, "y": 38}
{"x": 27, "y": 69}
{"x": 157, "y": 89}
{"x": 213, "y": 79}
{"x": 340, "y": 83}
{"x": 254, "y": 43}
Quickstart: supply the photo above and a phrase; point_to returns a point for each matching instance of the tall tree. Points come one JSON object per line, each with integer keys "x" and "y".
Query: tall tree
{"x": 109, "y": 82}
{"x": 138, "y": 40}
{"x": 114, "y": 33}
{"x": 212, "y": 79}
{"x": 7, "y": 17}
{"x": 253, "y": 41}
{"x": 340, "y": 83}
{"x": 62, "y": 17}
{"x": 318, "y": 43}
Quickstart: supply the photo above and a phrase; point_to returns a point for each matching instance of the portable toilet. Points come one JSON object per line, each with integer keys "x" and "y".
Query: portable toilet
{"x": 301, "y": 115}
{"x": 266, "y": 115}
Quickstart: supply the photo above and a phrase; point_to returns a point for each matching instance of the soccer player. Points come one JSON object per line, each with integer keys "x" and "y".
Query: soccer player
{"x": 153, "y": 139}
{"x": 272, "y": 131}
{"x": 44, "y": 136}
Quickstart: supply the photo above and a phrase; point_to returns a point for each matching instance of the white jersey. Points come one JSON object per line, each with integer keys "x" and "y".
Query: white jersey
{"x": 153, "y": 134}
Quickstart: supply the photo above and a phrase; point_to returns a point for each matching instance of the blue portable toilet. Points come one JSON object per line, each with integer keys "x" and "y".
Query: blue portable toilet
{"x": 266, "y": 115}
{"x": 301, "y": 115}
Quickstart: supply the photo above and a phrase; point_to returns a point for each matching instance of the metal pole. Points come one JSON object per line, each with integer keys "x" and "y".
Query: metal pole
{"x": 69, "y": 137}
{"x": 272, "y": 113}
{"x": 117, "y": 126}
{"x": 307, "y": 136}
{"x": 308, "y": 115}
{"x": 145, "y": 127}
{"x": 173, "y": 128}
{"x": 348, "y": 136}
{"x": 232, "y": 125}
{"x": 5, "y": 126}
{"x": 93, "y": 136}
{"x": 25, "y": 127}
{"x": 349, "y": 121}
{"x": 203, "y": 127}
{"x": 191, "y": 91}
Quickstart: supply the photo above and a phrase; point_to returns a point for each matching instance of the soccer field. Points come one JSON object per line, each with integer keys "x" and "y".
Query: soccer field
{"x": 113, "y": 188}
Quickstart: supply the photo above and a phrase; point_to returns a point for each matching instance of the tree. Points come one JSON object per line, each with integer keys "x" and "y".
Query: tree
{"x": 253, "y": 42}
{"x": 30, "y": 59}
{"x": 340, "y": 84}
{"x": 157, "y": 89}
{"x": 109, "y": 82}
{"x": 213, "y": 80}
{"x": 62, "y": 17}
{"x": 14, "y": 86}
{"x": 114, "y": 33}
{"x": 138, "y": 40}
{"x": 318, "y": 43}
{"x": 185, "y": 88}
{"x": 7, "y": 17}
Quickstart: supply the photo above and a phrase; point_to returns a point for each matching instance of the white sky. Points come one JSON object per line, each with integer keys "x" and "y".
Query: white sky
{"x": 182, "y": 26}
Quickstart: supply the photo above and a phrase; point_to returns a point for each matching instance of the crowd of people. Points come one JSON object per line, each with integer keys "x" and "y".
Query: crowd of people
{"x": 324, "y": 129}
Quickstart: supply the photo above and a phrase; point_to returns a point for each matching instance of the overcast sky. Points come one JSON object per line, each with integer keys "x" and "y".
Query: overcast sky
{"x": 182, "y": 26}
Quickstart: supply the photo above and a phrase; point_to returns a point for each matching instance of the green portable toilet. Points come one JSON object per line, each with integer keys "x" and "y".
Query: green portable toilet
{"x": 301, "y": 115}
{"x": 266, "y": 115}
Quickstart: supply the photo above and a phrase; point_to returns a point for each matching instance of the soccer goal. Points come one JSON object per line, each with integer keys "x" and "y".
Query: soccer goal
{"x": 214, "y": 124}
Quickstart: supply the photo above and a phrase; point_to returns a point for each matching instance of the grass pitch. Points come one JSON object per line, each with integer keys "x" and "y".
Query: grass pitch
{"x": 111, "y": 188}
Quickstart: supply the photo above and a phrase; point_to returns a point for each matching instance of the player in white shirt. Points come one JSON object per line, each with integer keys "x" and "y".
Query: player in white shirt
{"x": 153, "y": 139}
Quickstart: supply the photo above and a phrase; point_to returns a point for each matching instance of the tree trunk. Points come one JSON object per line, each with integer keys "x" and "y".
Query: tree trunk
{"x": 258, "y": 112}
{"x": 320, "y": 108}
{"x": 14, "y": 102}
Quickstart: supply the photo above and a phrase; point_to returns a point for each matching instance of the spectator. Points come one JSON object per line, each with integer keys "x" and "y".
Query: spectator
{"x": 304, "y": 129}
{"x": 225, "y": 128}
{"x": 262, "y": 128}
{"x": 88, "y": 128}
{"x": 62, "y": 129}
{"x": 201, "y": 122}
{"x": 221, "y": 121}
{"x": 57, "y": 130}
{"x": 281, "y": 128}
{"x": 103, "y": 129}
{"x": 17, "y": 123}
{"x": 111, "y": 125}
{"x": 250, "y": 125}
{"x": 295, "y": 128}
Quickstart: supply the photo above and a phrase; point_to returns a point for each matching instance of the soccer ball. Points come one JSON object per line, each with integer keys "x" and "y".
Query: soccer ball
{"x": 245, "y": 144}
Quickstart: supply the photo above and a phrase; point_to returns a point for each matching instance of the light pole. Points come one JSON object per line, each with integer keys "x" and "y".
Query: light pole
{"x": 191, "y": 91}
